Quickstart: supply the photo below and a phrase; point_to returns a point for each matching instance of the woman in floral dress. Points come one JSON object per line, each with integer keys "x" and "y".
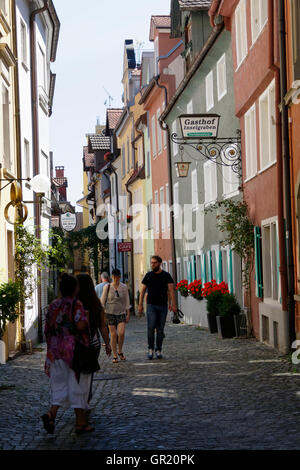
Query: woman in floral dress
{"x": 66, "y": 318}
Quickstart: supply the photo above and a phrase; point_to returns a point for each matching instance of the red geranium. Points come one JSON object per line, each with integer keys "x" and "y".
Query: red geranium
{"x": 182, "y": 287}
{"x": 195, "y": 288}
{"x": 212, "y": 286}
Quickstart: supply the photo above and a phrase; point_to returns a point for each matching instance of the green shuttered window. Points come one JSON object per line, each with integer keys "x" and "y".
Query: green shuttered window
{"x": 258, "y": 262}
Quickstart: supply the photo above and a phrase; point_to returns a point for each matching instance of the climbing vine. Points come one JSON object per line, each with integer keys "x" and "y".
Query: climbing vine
{"x": 234, "y": 222}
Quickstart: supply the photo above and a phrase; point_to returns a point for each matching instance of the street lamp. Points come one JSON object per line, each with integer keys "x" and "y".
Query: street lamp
{"x": 182, "y": 169}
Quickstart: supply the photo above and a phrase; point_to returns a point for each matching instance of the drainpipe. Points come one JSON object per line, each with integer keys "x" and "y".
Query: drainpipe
{"x": 117, "y": 199}
{"x": 35, "y": 140}
{"x": 171, "y": 196}
{"x": 21, "y": 327}
{"x": 286, "y": 165}
{"x": 132, "y": 262}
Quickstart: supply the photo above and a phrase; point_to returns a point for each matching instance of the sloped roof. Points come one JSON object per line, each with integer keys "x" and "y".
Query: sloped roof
{"x": 98, "y": 142}
{"x": 61, "y": 181}
{"x": 195, "y": 4}
{"x": 113, "y": 116}
{"x": 159, "y": 21}
{"x": 89, "y": 158}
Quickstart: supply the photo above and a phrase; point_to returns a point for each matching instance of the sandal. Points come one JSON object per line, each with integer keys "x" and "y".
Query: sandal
{"x": 115, "y": 360}
{"x": 48, "y": 422}
{"x": 83, "y": 429}
{"x": 123, "y": 358}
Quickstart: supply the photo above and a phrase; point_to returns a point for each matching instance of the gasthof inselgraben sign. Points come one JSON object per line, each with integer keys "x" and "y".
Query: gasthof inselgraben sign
{"x": 199, "y": 126}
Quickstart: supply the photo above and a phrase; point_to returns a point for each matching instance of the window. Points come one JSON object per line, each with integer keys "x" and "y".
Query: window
{"x": 140, "y": 155}
{"x": 231, "y": 181}
{"x": 210, "y": 182}
{"x": 148, "y": 168}
{"x": 174, "y": 131}
{"x": 165, "y": 265}
{"x": 189, "y": 108}
{"x": 42, "y": 68}
{"x": 221, "y": 77}
{"x": 156, "y": 55}
{"x": 3, "y": 6}
{"x": 295, "y": 19}
{"x": 267, "y": 127}
{"x": 156, "y": 212}
{"x": 164, "y": 132}
{"x": 209, "y": 82}
{"x": 153, "y": 137}
{"x": 44, "y": 167}
{"x": 168, "y": 205}
{"x": 250, "y": 141}
{"x": 123, "y": 161}
{"x": 162, "y": 209}
{"x": 259, "y": 17}
{"x": 176, "y": 199}
{"x": 241, "y": 32}
{"x": 132, "y": 158}
{"x": 128, "y": 155}
{"x": 27, "y": 173}
{"x": 6, "y": 127}
{"x": 149, "y": 215}
{"x": 23, "y": 42}
{"x": 195, "y": 199}
{"x": 159, "y": 135}
{"x": 270, "y": 260}
{"x": 171, "y": 268}
{"x": 179, "y": 274}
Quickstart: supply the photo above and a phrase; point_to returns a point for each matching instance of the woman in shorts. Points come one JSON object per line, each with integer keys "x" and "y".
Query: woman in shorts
{"x": 115, "y": 299}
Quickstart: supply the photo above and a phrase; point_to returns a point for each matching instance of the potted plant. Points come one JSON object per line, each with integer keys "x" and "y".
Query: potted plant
{"x": 9, "y": 298}
{"x": 195, "y": 289}
{"x": 182, "y": 287}
{"x": 213, "y": 293}
{"x": 229, "y": 308}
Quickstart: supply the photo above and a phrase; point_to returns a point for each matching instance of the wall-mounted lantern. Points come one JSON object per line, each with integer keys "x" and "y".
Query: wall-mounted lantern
{"x": 182, "y": 169}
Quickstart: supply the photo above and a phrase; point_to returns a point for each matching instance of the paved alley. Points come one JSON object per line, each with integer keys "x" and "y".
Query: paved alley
{"x": 206, "y": 393}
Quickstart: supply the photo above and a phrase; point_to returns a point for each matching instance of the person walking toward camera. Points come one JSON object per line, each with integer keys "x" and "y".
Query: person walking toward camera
{"x": 160, "y": 287}
{"x": 104, "y": 281}
{"x": 115, "y": 300}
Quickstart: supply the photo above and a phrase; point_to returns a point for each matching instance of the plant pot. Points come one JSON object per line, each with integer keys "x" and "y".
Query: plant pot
{"x": 240, "y": 324}
{"x": 2, "y": 352}
{"x": 212, "y": 323}
{"x": 226, "y": 327}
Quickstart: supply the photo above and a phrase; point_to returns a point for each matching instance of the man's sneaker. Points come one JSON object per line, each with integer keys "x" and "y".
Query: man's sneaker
{"x": 158, "y": 355}
{"x": 150, "y": 354}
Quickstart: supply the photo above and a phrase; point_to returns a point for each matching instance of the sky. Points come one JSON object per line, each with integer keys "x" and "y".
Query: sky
{"x": 90, "y": 57}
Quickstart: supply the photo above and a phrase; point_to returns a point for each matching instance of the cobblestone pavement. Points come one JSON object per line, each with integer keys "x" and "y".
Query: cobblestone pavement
{"x": 206, "y": 393}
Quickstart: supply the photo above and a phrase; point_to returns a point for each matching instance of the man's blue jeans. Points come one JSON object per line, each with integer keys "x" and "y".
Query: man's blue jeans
{"x": 156, "y": 318}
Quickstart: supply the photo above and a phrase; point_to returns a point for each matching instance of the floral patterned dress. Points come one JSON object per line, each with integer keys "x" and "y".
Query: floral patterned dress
{"x": 60, "y": 330}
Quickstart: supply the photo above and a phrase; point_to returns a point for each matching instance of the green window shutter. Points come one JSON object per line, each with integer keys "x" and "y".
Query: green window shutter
{"x": 258, "y": 262}
{"x": 203, "y": 268}
{"x": 230, "y": 272}
{"x": 209, "y": 266}
{"x": 220, "y": 265}
{"x": 193, "y": 273}
{"x": 189, "y": 277}
{"x": 278, "y": 266}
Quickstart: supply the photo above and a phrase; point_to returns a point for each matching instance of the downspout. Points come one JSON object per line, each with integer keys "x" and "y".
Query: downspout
{"x": 110, "y": 200}
{"x": 171, "y": 196}
{"x": 281, "y": 228}
{"x": 132, "y": 262}
{"x": 21, "y": 326}
{"x": 117, "y": 199}
{"x": 287, "y": 175}
{"x": 35, "y": 141}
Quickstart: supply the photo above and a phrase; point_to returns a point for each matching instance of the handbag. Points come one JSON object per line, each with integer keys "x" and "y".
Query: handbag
{"x": 84, "y": 357}
{"x": 177, "y": 316}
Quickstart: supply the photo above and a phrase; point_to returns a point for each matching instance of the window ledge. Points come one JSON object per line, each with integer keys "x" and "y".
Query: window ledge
{"x": 210, "y": 203}
{"x": 259, "y": 34}
{"x": 241, "y": 63}
{"x": 267, "y": 167}
{"x": 222, "y": 95}
{"x": 250, "y": 178}
{"x": 232, "y": 194}
{"x": 270, "y": 301}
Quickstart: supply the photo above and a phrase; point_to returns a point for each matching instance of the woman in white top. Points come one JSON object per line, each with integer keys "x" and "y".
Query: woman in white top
{"x": 115, "y": 299}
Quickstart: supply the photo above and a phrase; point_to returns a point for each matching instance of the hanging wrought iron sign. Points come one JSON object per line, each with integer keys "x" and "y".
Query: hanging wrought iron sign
{"x": 200, "y": 132}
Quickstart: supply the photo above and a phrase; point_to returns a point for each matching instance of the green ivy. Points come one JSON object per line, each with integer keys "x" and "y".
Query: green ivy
{"x": 9, "y": 299}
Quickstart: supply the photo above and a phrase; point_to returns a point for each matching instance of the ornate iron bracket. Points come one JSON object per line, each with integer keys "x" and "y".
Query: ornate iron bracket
{"x": 225, "y": 151}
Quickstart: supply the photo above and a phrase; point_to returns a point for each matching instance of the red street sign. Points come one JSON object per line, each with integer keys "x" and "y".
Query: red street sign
{"x": 125, "y": 246}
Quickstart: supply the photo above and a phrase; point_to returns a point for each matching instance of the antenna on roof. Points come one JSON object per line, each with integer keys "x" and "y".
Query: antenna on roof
{"x": 110, "y": 98}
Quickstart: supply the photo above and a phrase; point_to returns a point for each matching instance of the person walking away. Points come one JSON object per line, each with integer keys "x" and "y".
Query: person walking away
{"x": 66, "y": 319}
{"x": 104, "y": 281}
{"x": 160, "y": 287}
{"x": 95, "y": 313}
{"x": 115, "y": 300}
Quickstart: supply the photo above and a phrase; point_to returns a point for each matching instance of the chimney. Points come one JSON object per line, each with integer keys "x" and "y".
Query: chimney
{"x": 59, "y": 172}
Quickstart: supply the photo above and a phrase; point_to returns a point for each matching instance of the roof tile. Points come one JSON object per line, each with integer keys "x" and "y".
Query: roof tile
{"x": 99, "y": 142}
{"x": 195, "y": 4}
{"x": 89, "y": 158}
{"x": 113, "y": 116}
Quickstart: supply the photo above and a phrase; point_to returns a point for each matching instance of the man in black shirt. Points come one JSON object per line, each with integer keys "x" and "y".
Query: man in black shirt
{"x": 160, "y": 287}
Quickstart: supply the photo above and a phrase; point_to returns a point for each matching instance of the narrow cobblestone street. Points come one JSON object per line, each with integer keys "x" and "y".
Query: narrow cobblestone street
{"x": 206, "y": 393}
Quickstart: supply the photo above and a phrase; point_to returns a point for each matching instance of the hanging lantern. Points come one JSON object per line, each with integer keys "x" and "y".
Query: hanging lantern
{"x": 182, "y": 169}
